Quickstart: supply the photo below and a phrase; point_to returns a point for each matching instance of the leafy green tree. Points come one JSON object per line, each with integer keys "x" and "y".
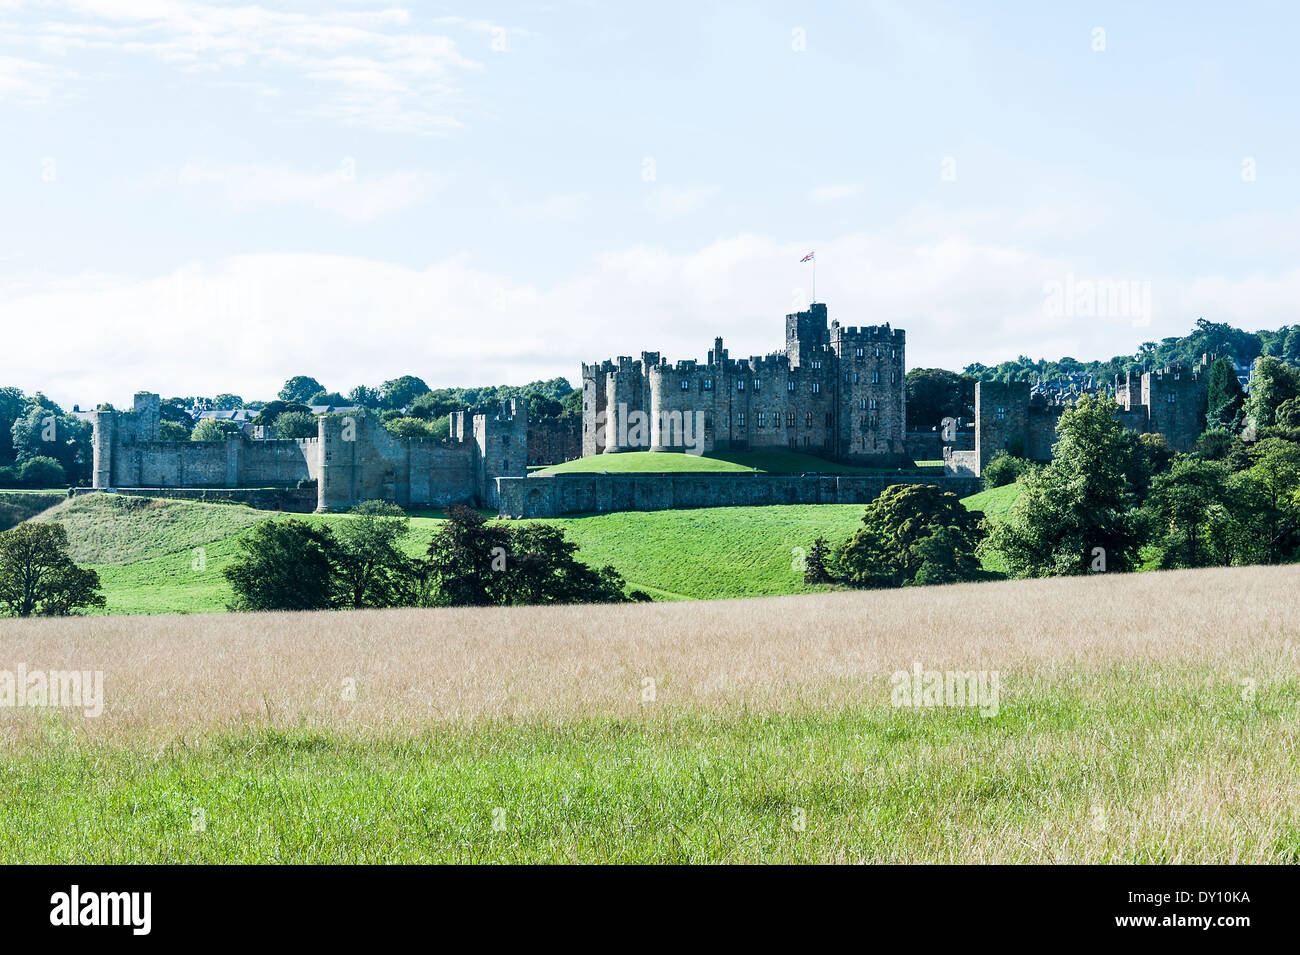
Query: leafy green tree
{"x": 173, "y": 431}
{"x": 296, "y": 424}
{"x": 1272, "y": 383}
{"x": 323, "y": 397}
{"x": 885, "y": 551}
{"x": 373, "y": 569}
{"x": 299, "y": 389}
{"x": 406, "y": 427}
{"x": 12, "y": 404}
{"x": 935, "y": 393}
{"x": 435, "y": 404}
{"x": 284, "y": 565}
{"x": 44, "y": 430}
{"x": 400, "y": 392}
{"x": 365, "y": 397}
{"x": 815, "y": 569}
{"x": 37, "y": 575}
{"x": 1079, "y": 508}
{"x": 1181, "y": 505}
{"x": 541, "y": 568}
{"x": 227, "y": 402}
{"x": 41, "y": 472}
{"x": 271, "y": 411}
{"x": 468, "y": 558}
{"x": 1004, "y": 468}
{"x": 1276, "y": 475}
{"x": 947, "y": 557}
{"x": 572, "y": 402}
{"x": 1224, "y": 397}
{"x": 1215, "y": 444}
{"x": 214, "y": 429}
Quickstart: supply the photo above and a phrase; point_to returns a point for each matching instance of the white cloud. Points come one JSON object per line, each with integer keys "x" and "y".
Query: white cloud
{"x": 380, "y": 68}
{"x": 341, "y": 191}
{"x": 27, "y": 81}
{"x": 667, "y": 202}
{"x": 836, "y": 192}
{"x": 248, "y": 323}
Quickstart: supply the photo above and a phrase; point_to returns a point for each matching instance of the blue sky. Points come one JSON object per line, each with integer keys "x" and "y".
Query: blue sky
{"x": 203, "y": 197}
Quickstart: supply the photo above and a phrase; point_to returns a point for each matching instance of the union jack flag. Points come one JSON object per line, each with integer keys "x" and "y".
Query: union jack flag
{"x": 807, "y": 258}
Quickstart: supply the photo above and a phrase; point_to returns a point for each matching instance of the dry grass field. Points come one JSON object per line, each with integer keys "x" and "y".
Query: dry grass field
{"x": 1143, "y": 718}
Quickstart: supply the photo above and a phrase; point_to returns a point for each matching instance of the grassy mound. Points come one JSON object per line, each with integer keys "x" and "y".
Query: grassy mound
{"x": 996, "y": 503}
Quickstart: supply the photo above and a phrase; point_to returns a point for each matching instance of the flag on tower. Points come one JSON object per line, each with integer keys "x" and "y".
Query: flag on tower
{"x": 807, "y": 258}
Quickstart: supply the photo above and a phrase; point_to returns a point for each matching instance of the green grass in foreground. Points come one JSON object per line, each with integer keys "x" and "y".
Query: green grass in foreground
{"x": 784, "y": 462}
{"x": 1129, "y": 765}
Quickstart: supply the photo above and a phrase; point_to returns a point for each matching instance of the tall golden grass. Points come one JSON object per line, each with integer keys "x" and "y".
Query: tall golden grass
{"x": 172, "y": 676}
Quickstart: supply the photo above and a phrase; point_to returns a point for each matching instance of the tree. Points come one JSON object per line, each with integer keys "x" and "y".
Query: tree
{"x": 1224, "y": 397}
{"x": 1076, "y": 513}
{"x": 935, "y": 393}
{"x": 373, "y": 569}
{"x": 403, "y": 427}
{"x": 272, "y": 410}
{"x": 885, "y": 552}
{"x": 1181, "y": 505}
{"x": 43, "y": 430}
{"x": 299, "y": 389}
{"x": 947, "y": 557}
{"x": 815, "y": 570}
{"x": 1272, "y": 383}
{"x": 1276, "y": 479}
{"x": 12, "y": 403}
{"x": 400, "y": 392}
{"x": 477, "y": 563}
{"x": 541, "y": 569}
{"x": 38, "y": 577}
{"x": 227, "y": 402}
{"x": 296, "y": 424}
{"x": 467, "y": 560}
{"x": 214, "y": 429}
{"x": 323, "y": 397}
{"x": 42, "y": 472}
{"x": 365, "y": 397}
{"x": 284, "y": 565}
{"x": 572, "y": 402}
{"x": 1004, "y": 468}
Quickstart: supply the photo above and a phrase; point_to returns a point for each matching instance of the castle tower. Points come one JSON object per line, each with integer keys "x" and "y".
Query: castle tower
{"x": 501, "y": 448}
{"x": 102, "y": 448}
{"x": 1001, "y": 419}
{"x": 805, "y": 332}
{"x": 337, "y": 488}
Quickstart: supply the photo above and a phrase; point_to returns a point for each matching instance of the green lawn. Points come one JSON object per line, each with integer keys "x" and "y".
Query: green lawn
{"x": 166, "y": 556}
{"x": 782, "y": 462}
{"x": 996, "y": 503}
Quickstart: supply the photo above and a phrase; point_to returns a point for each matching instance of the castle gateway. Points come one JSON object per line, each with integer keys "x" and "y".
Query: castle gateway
{"x": 835, "y": 391}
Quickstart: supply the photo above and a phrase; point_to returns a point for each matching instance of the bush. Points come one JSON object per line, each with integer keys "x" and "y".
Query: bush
{"x": 214, "y": 429}
{"x": 38, "y": 578}
{"x": 42, "y": 472}
{"x": 9, "y": 477}
{"x": 284, "y": 565}
{"x": 306, "y": 483}
{"x": 296, "y": 424}
{"x": 1004, "y": 469}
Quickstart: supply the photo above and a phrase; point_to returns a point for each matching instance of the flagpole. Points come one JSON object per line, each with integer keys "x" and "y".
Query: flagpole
{"x": 814, "y": 276}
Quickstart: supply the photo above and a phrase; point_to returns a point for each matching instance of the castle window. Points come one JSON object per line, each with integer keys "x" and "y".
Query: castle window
{"x": 1002, "y": 414}
{"x": 872, "y": 406}
{"x": 816, "y": 365}
{"x": 859, "y": 352}
{"x": 817, "y": 387}
{"x": 757, "y": 384}
{"x": 740, "y": 385}
{"x": 828, "y": 419}
{"x": 855, "y": 377}
{"x": 846, "y": 377}
{"x": 762, "y": 418}
{"x": 808, "y": 419}
{"x": 789, "y": 419}
{"x": 708, "y": 384}
{"x": 893, "y": 377}
{"x": 789, "y": 386}
{"x": 741, "y": 419}
{"x": 686, "y": 385}
{"x": 875, "y": 377}
{"x": 877, "y": 351}
{"x": 862, "y": 404}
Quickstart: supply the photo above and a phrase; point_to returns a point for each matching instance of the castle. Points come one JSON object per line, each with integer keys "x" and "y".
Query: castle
{"x": 1169, "y": 401}
{"x": 835, "y": 391}
{"x": 353, "y": 458}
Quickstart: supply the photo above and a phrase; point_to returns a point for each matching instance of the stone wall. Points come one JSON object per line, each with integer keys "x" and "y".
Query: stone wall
{"x": 554, "y": 440}
{"x": 554, "y": 495}
{"x": 929, "y": 445}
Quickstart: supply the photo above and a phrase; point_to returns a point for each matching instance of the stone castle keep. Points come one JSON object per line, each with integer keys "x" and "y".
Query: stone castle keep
{"x": 353, "y": 458}
{"x": 836, "y": 392}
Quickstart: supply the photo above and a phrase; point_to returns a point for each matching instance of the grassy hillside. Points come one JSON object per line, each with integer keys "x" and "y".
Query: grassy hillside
{"x": 996, "y": 503}
{"x": 1122, "y": 732}
{"x": 19, "y": 506}
{"x": 162, "y": 556}
{"x": 783, "y": 462}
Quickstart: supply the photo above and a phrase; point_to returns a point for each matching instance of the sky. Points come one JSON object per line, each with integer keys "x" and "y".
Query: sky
{"x": 203, "y": 197}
